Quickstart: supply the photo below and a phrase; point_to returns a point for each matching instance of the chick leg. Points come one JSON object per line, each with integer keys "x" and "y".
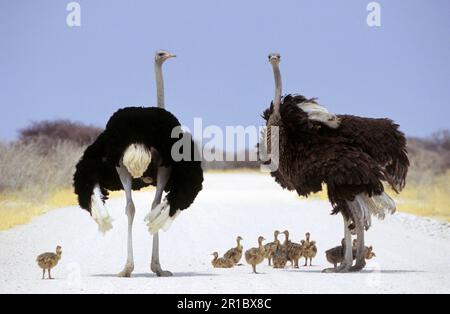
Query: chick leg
{"x": 127, "y": 182}
{"x": 163, "y": 178}
{"x": 43, "y": 273}
{"x": 49, "y": 274}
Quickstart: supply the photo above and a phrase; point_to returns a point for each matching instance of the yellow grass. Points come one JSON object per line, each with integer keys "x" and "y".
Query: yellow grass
{"x": 430, "y": 200}
{"x": 17, "y": 208}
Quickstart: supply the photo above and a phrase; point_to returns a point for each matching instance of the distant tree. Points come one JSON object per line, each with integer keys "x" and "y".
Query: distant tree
{"x": 59, "y": 130}
{"x": 441, "y": 139}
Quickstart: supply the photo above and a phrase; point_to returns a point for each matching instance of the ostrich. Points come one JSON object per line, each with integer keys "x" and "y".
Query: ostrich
{"x": 134, "y": 151}
{"x": 351, "y": 155}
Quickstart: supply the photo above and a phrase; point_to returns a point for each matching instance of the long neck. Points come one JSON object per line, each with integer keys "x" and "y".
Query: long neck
{"x": 278, "y": 87}
{"x": 159, "y": 85}
{"x": 275, "y": 236}
{"x": 238, "y": 243}
{"x": 260, "y": 244}
{"x": 286, "y": 240}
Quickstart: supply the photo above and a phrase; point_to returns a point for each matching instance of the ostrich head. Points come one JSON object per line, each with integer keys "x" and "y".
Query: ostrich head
{"x": 369, "y": 253}
{"x": 163, "y": 55}
{"x": 215, "y": 254}
{"x": 307, "y": 236}
{"x": 274, "y": 58}
{"x": 160, "y": 57}
{"x": 261, "y": 239}
{"x": 59, "y": 250}
{"x": 239, "y": 239}
{"x": 276, "y": 233}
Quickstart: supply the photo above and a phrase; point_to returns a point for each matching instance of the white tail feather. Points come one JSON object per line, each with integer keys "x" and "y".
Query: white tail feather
{"x": 159, "y": 218}
{"x": 99, "y": 212}
{"x": 377, "y": 205}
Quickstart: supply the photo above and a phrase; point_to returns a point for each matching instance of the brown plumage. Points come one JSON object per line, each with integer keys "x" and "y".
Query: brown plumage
{"x": 255, "y": 255}
{"x": 311, "y": 154}
{"x": 336, "y": 255}
{"x": 49, "y": 260}
{"x": 221, "y": 262}
{"x": 235, "y": 254}
{"x": 279, "y": 257}
{"x": 271, "y": 247}
{"x": 351, "y": 155}
{"x": 309, "y": 249}
{"x": 295, "y": 252}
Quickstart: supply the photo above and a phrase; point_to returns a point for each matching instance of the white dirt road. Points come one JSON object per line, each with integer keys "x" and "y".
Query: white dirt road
{"x": 413, "y": 254}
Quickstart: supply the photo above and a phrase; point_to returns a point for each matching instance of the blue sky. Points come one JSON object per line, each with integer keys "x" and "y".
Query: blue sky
{"x": 400, "y": 70}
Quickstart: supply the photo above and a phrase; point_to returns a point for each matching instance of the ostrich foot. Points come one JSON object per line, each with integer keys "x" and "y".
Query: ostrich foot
{"x": 358, "y": 266}
{"x": 126, "y": 272}
{"x": 156, "y": 268}
{"x": 343, "y": 268}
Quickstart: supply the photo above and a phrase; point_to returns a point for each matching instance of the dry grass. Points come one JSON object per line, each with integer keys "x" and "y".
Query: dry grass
{"x": 430, "y": 197}
{"x": 34, "y": 178}
{"x": 36, "y": 173}
{"x": 19, "y": 208}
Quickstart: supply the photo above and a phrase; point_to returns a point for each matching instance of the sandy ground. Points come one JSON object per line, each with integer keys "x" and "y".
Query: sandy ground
{"x": 413, "y": 254}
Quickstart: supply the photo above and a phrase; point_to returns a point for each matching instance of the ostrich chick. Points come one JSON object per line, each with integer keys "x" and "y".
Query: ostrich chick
{"x": 336, "y": 255}
{"x": 368, "y": 251}
{"x": 286, "y": 246}
{"x": 271, "y": 247}
{"x": 49, "y": 260}
{"x": 255, "y": 255}
{"x": 309, "y": 249}
{"x": 235, "y": 254}
{"x": 221, "y": 262}
{"x": 279, "y": 258}
{"x": 295, "y": 252}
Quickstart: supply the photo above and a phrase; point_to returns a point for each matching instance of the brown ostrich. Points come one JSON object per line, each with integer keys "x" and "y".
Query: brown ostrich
{"x": 306, "y": 147}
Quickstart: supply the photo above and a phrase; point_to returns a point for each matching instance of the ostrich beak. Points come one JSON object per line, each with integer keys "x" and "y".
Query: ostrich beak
{"x": 171, "y": 56}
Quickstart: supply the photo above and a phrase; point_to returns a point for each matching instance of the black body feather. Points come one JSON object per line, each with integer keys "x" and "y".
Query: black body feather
{"x": 153, "y": 128}
{"x": 355, "y": 157}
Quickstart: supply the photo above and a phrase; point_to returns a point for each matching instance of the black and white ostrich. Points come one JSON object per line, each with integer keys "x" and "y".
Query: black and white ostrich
{"x": 352, "y": 155}
{"x": 134, "y": 151}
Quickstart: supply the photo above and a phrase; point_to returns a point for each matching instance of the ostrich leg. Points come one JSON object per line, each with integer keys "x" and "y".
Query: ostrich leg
{"x": 360, "y": 246}
{"x": 127, "y": 181}
{"x": 163, "y": 178}
{"x": 348, "y": 257}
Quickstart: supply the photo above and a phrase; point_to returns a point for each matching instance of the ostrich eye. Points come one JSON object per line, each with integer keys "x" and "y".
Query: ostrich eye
{"x": 161, "y": 54}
